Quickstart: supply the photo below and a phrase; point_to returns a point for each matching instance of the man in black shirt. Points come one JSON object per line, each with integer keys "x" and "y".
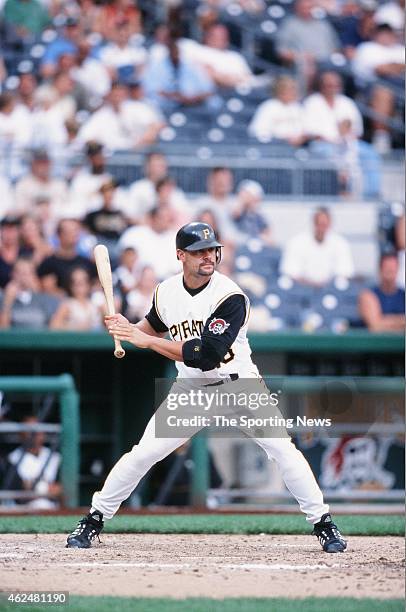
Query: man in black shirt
{"x": 54, "y": 270}
{"x": 108, "y": 222}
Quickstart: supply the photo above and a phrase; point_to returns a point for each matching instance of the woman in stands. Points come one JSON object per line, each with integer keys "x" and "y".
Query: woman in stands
{"x": 77, "y": 311}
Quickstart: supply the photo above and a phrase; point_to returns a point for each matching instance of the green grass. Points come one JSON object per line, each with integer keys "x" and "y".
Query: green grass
{"x": 378, "y": 525}
{"x": 124, "y": 604}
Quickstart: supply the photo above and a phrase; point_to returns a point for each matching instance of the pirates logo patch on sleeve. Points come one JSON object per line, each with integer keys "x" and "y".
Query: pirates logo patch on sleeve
{"x": 218, "y": 326}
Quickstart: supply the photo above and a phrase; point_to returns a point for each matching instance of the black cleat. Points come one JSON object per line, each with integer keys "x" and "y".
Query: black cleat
{"x": 328, "y": 535}
{"x": 87, "y": 529}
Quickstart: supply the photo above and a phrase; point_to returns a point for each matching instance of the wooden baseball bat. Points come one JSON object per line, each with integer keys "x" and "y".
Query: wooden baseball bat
{"x": 102, "y": 259}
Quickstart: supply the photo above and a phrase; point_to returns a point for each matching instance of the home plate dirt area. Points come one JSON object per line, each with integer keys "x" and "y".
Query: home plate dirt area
{"x": 216, "y": 566}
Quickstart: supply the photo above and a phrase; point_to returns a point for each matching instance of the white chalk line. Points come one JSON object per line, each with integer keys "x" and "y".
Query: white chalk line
{"x": 231, "y": 566}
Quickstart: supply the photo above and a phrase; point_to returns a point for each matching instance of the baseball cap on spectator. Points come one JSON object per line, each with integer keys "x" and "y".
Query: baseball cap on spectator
{"x": 253, "y": 187}
{"x": 368, "y": 5}
{"x": 71, "y": 22}
{"x": 39, "y": 155}
{"x": 110, "y": 184}
{"x": 42, "y": 199}
{"x": 93, "y": 148}
{"x": 10, "y": 220}
{"x": 131, "y": 81}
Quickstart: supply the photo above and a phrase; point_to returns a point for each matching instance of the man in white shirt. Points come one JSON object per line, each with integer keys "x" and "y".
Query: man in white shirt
{"x": 317, "y": 257}
{"x": 37, "y": 466}
{"x": 122, "y": 124}
{"x": 121, "y": 55}
{"x": 142, "y": 196}
{"x": 7, "y": 197}
{"x": 91, "y": 74}
{"x": 281, "y": 117}
{"x": 15, "y": 133}
{"x": 220, "y": 201}
{"x": 382, "y": 58}
{"x": 84, "y": 194}
{"x": 154, "y": 243}
{"x": 38, "y": 184}
{"x": 334, "y": 124}
{"x": 227, "y": 68}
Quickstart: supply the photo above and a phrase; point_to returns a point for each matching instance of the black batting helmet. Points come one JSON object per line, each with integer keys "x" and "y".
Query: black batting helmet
{"x": 197, "y": 236}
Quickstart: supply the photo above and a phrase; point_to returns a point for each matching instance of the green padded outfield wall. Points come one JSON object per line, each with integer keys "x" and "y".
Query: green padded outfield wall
{"x": 116, "y": 396}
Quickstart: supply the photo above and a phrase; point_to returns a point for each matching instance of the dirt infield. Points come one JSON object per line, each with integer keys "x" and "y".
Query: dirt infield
{"x": 214, "y": 566}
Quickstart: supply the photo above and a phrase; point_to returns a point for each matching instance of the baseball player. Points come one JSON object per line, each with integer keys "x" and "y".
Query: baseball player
{"x": 206, "y": 316}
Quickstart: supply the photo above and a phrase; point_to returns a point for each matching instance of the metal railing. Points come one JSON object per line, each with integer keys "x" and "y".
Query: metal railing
{"x": 64, "y": 387}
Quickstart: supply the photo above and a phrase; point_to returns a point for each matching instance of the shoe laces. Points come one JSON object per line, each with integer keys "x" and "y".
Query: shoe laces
{"x": 327, "y": 531}
{"x": 81, "y": 529}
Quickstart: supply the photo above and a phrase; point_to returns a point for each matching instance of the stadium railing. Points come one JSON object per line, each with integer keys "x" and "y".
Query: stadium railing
{"x": 64, "y": 387}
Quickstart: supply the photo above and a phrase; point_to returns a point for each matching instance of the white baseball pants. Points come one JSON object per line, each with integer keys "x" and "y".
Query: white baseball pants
{"x": 128, "y": 471}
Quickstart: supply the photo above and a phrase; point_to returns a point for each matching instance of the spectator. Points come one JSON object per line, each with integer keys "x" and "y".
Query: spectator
{"x": 280, "y": 118}
{"x": 304, "y": 41}
{"x": 122, "y": 124}
{"x": 77, "y": 311}
{"x": 37, "y": 467}
{"x": 85, "y": 187}
{"x": 65, "y": 43}
{"x": 39, "y": 184}
{"x": 108, "y": 222}
{"x": 15, "y": 123}
{"x": 91, "y": 75}
{"x": 317, "y": 257}
{"x": 393, "y": 14}
{"x": 227, "y": 68}
{"x": 55, "y": 105}
{"x": 355, "y": 25}
{"x": 381, "y": 58}
{"x": 142, "y": 193}
{"x": 219, "y": 199}
{"x": 334, "y": 123}
{"x": 400, "y": 235}
{"x": 171, "y": 81}
{"x": 121, "y": 57}
{"x": 7, "y": 197}
{"x": 28, "y": 17}
{"x": 382, "y": 308}
{"x": 54, "y": 270}
{"x": 249, "y": 221}
{"x": 154, "y": 243}
{"x": 32, "y": 241}
{"x": 139, "y": 299}
{"x": 111, "y": 14}
{"x": 27, "y": 86}
{"x": 9, "y": 247}
{"x": 127, "y": 273}
{"x": 167, "y": 197}
{"x": 22, "y": 304}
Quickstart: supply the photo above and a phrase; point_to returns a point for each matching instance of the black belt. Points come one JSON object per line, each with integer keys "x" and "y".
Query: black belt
{"x": 223, "y": 382}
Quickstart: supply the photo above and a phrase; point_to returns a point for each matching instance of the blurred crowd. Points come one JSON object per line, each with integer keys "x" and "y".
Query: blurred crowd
{"x": 82, "y": 79}
{"x": 47, "y": 272}
{"x": 114, "y": 69}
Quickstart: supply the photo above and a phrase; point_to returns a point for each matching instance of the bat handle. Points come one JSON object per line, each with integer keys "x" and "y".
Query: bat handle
{"x": 119, "y": 352}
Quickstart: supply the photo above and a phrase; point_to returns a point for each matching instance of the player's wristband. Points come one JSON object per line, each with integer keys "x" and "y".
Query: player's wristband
{"x": 192, "y": 352}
